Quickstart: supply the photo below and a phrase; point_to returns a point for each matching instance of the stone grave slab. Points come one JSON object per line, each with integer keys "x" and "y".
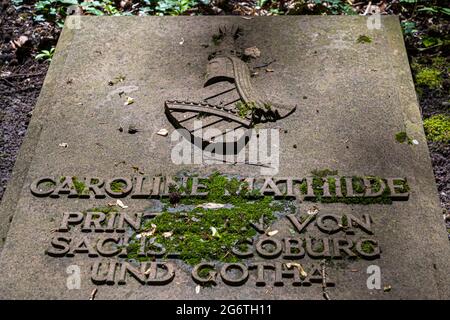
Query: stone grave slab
{"x": 128, "y": 183}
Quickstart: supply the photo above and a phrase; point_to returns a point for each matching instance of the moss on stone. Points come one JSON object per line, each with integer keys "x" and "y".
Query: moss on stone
{"x": 324, "y": 172}
{"x": 209, "y": 234}
{"x": 364, "y": 39}
{"x": 402, "y": 137}
{"x": 48, "y": 185}
{"x": 117, "y": 186}
{"x": 245, "y": 108}
{"x": 199, "y": 234}
{"x": 79, "y": 185}
{"x": 437, "y": 128}
{"x": 344, "y": 221}
{"x": 367, "y": 247}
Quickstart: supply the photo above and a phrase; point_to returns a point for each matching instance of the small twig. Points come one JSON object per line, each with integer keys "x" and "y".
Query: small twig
{"x": 8, "y": 82}
{"x": 22, "y": 75}
{"x": 369, "y": 6}
{"x": 264, "y": 64}
{"x": 324, "y": 281}
{"x": 226, "y": 254}
{"x": 21, "y": 90}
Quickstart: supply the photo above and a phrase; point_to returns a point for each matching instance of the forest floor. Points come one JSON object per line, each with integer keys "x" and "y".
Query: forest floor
{"x": 29, "y": 27}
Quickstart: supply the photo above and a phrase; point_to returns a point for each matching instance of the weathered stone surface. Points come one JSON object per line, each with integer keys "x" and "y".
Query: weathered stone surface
{"x": 352, "y": 98}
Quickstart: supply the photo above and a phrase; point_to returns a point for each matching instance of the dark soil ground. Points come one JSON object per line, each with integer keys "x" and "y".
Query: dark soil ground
{"x": 21, "y": 78}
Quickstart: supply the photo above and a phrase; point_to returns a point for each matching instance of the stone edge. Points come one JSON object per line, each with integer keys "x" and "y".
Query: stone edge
{"x": 30, "y": 142}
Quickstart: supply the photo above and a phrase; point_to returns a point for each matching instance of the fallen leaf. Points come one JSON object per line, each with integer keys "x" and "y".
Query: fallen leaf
{"x": 167, "y": 234}
{"x": 148, "y": 271}
{"x": 253, "y": 52}
{"x": 313, "y": 210}
{"x": 121, "y": 204}
{"x": 147, "y": 233}
{"x": 302, "y": 271}
{"x": 210, "y": 205}
{"x": 129, "y": 101}
{"x": 125, "y": 3}
{"x": 415, "y": 142}
{"x": 214, "y": 231}
{"x": 272, "y": 233}
{"x": 20, "y": 41}
{"x": 63, "y": 145}
{"x": 163, "y": 132}
{"x": 197, "y": 289}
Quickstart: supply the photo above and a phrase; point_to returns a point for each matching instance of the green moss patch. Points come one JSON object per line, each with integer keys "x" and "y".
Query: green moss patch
{"x": 402, "y": 137}
{"x": 205, "y": 234}
{"x": 429, "y": 77}
{"x": 245, "y": 108}
{"x": 117, "y": 186}
{"x": 197, "y": 232}
{"x": 364, "y": 39}
{"x": 437, "y": 128}
{"x": 79, "y": 185}
{"x": 200, "y": 234}
{"x": 324, "y": 172}
{"x": 367, "y": 247}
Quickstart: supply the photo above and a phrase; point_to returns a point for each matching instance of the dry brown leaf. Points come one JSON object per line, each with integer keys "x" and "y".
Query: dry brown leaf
{"x": 121, "y": 204}
{"x": 210, "y": 205}
{"x": 163, "y": 132}
{"x": 20, "y": 41}
{"x": 313, "y": 210}
{"x": 129, "y": 101}
{"x": 253, "y": 52}
{"x": 302, "y": 271}
{"x": 167, "y": 234}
